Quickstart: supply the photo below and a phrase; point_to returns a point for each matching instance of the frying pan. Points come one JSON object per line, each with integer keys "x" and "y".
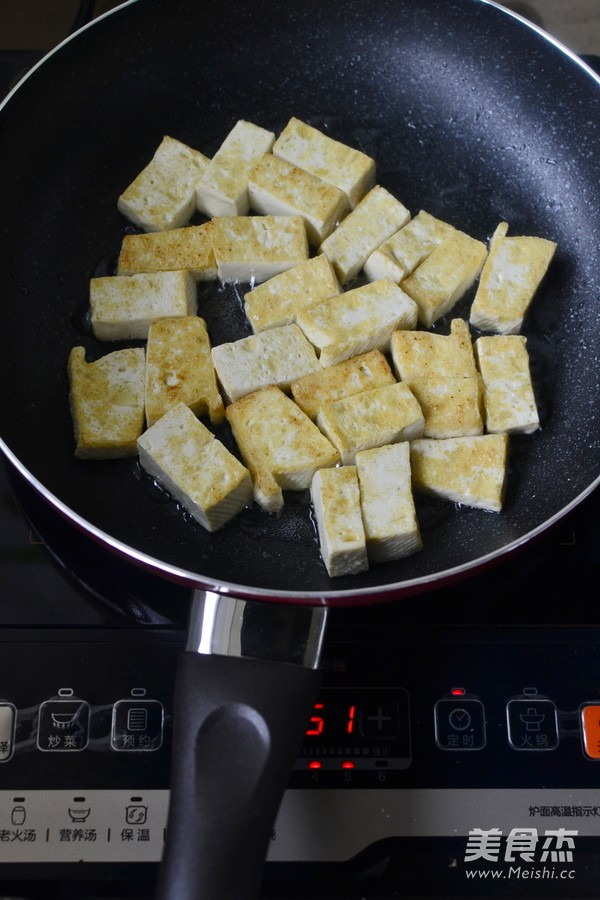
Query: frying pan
{"x": 470, "y": 113}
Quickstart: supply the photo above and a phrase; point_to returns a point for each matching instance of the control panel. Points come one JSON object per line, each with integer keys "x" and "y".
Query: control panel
{"x": 414, "y": 736}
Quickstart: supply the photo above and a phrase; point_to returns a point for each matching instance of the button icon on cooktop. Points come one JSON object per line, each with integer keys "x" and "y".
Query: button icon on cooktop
{"x": 459, "y": 724}
{"x": 63, "y": 725}
{"x": 532, "y": 724}
{"x": 137, "y": 725}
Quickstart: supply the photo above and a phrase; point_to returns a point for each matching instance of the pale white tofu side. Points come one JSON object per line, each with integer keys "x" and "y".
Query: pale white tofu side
{"x": 280, "y": 445}
{"x": 348, "y": 169}
{"x": 466, "y": 470}
{"x": 383, "y": 415}
{"x": 388, "y": 508}
{"x": 510, "y": 278}
{"x": 508, "y": 395}
{"x": 187, "y": 249}
{"x": 277, "y": 356}
{"x": 163, "y": 195}
{"x": 357, "y": 320}
{"x": 107, "y": 402}
{"x": 424, "y": 354}
{"x": 278, "y": 300}
{"x": 122, "y": 307}
{"x": 223, "y": 187}
{"x": 360, "y": 373}
{"x": 374, "y": 219}
{"x": 278, "y": 188}
{"x": 179, "y": 369}
{"x": 401, "y": 254}
{"x": 445, "y": 275}
{"x": 254, "y": 248}
{"x": 195, "y": 468}
{"x": 336, "y": 503}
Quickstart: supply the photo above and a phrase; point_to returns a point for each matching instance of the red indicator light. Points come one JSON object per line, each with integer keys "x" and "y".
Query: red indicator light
{"x": 458, "y": 692}
{"x": 350, "y": 722}
{"x": 347, "y": 764}
{"x": 314, "y": 764}
{"x": 317, "y": 722}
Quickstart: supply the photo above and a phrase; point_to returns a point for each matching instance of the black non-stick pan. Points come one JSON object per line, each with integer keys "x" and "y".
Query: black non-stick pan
{"x": 470, "y": 112}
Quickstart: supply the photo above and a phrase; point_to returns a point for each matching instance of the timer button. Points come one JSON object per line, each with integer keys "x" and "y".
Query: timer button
{"x": 459, "y": 724}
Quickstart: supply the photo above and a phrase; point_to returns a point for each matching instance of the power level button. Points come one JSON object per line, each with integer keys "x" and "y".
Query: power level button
{"x": 590, "y": 728}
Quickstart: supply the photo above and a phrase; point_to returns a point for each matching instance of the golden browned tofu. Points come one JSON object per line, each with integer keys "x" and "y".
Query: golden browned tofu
{"x": 510, "y": 278}
{"x": 350, "y": 170}
{"x": 195, "y": 468}
{"x": 452, "y": 407}
{"x": 388, "y": 509}
{"x": 188, "y": 248}
{"x": 442, "y": 374}
{"x": 445, "y": 275}
{"x": 163, "y": 195}
{"x": 423, "y": 354}
{"x": 278, "y": 188}
{"x": 336, "y": 503}
{"x": 107, "y": 402}
{"x": 278, "y": 300}
{"x": 280, "y": 445}
{"x": 467, "y": 470}
{"x": 360, "y": 373}
{"x": 508, "y": 395}
{"x": 372, "y": 418}
{"x": 179, "y": 369}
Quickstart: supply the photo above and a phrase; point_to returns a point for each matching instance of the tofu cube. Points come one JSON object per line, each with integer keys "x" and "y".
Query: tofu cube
{"x": 107, "y": 402}
{"x": 277, "y": 301}
{"x": 280, "y": 445}
{"x": 360, "y": 373}
{"x": 195, "y": 468}
{"x": 424, "y": 354}
{"x": 388, "y": 509}
{"x": 372, "y": 418}
{"x": 179, "y": 369}
{"x": 223, "y": 187}
{"x": 278, "y": 356}
{"x": 452, "y": 407}
{"x": 124, "y": 306}
{"x": 510, "y": 278}
{"x": 163, "y": 195}
{"x": 357, "y": 321}
{"x": 445, "y": 275}
{"x": 255, "y": 248}
{"x": 442, "y": 374}
{"x": 466, "y": 470}
{"x": 401, "y": 254}
{"x": 336, "y": 503}
{"x": 186, "y": 249}
{"x": 508, "y": 395}
{"x": 374, "y": 219}
{"x": 349, "y": 170}
{"x": 278, "y": 188}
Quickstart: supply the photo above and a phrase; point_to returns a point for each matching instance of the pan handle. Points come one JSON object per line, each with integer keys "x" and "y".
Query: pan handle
{"x": 239, "y": 722}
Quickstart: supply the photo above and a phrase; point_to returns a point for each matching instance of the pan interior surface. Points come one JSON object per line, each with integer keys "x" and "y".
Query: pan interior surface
{"x": 469, "y": 113}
